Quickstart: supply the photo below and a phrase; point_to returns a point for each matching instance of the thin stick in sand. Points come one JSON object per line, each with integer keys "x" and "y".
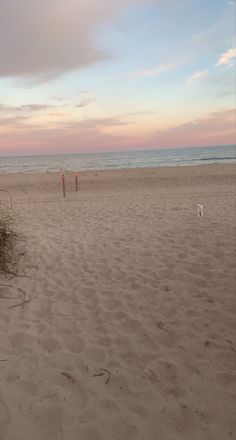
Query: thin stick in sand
{"x": 63, "y": 184}
{"x": 76, "y": 182}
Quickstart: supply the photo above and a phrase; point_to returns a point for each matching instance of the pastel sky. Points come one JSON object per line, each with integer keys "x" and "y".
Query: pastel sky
{"x": 106, "y": 75}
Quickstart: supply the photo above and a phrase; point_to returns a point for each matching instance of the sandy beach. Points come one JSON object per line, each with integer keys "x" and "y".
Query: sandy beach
{"x": 127, "y": 330}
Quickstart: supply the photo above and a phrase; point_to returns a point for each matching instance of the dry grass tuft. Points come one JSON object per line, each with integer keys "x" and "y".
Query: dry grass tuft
{"x": 7, "y": 239}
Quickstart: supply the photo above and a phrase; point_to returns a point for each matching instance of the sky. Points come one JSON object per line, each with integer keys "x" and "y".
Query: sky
{"x": 108, "y": 75}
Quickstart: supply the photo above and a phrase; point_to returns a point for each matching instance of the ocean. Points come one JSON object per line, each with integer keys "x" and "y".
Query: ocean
{"x": 118, "y": 160}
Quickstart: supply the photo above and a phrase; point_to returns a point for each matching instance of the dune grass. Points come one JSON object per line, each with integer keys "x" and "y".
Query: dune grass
{"x": 7, "y": 240}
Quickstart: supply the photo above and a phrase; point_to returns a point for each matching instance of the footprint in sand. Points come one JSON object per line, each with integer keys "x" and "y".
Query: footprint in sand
{"x": 4, "y": 417}
{"x": 73, "y": 344}
{"x": 48, "y": 420}
{"x": 50, "y": 344}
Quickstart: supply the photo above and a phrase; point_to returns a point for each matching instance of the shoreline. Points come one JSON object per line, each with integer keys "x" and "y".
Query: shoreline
{"x": 207, "y": 167}
{"x": 101, "y": 161}
{"x": 231, "y": 164}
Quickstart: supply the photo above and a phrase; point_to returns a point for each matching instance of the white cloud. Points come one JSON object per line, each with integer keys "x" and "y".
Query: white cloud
{"x": 232, "y": 3}
{"x": 200, "y": 74}
{"x": 85, "y": 102}
{"x": 157, "y": 70}
{"x": 227, "y": 57}
{"x": 145, "y": 73}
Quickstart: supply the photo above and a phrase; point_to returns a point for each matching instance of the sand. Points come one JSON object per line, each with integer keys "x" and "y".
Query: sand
{"x": 129, "y": 332}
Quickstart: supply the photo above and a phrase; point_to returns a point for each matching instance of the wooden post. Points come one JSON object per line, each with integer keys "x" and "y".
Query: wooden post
{"x": 63, "y": 185}
{"x": 76, "y": 182}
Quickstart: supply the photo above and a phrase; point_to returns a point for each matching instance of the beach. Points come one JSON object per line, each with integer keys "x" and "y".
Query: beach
{"x": 123, "y": 325}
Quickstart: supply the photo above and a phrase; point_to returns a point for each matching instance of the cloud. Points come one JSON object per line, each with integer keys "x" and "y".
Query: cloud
{"x": 216, "y": 128}
{"x": 157, "y": 70}
{"x": 68, "y": 97}
{"x": 200, "y": 74}
{"x": 232, "y": 3}
{"x": 14, "y": 117}
{"x": 25, "y": 108}
{"x": 142, "y": 113}
{"x": 31, "y": 107}
{"x": 44, "y": 39}
{"x": 34, "y": 107}
{"x": 85, "y": 102}
{"x": 227, "y": 57}
{"x": 13, "y": 122}
{"x": 99, "y": 123}
{"x": 21, "y": 117}
{"x": 85, "y": 135}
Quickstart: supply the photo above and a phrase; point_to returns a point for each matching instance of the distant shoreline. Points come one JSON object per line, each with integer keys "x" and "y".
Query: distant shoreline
{"x": 184, "y": 168}
{"x": 116, "y": 151}
{"x": 124, "y": 160}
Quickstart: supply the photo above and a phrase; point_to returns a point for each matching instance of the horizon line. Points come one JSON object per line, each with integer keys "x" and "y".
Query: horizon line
{"x": 116, "y": 151}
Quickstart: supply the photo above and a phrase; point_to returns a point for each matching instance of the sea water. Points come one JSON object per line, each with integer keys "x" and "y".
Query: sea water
{"x": 118, "y": 160}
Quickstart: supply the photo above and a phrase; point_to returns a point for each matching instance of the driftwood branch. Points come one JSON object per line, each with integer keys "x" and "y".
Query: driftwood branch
{"x": 23, "y": 302}
{"x": 102, "y": 372}
{"x": 68, "y": 376}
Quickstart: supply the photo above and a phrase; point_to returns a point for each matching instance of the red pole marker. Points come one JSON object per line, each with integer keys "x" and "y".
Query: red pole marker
{"x": 76, "y": 182}
{"x": 63, "y": 185}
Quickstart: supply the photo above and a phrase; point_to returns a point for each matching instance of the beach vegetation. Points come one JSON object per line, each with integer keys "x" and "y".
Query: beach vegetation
{"x": 7, "y": 239}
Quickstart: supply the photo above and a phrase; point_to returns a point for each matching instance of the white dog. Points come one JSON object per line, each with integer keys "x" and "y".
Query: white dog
{"x": 199, "y": 210}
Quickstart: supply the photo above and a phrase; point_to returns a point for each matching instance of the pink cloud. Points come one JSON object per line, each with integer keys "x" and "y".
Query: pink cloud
{"x": 85, "y": 102}
{"x": 85, "y": 135}
{"x": 95, "y": 135}
{"x": 227, "y": 57}
{"x": 157, "y": 70}
{"x": 216, "y": 128}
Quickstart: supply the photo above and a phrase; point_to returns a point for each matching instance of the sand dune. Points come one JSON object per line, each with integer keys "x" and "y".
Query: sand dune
{"x": 129, "y": 333}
